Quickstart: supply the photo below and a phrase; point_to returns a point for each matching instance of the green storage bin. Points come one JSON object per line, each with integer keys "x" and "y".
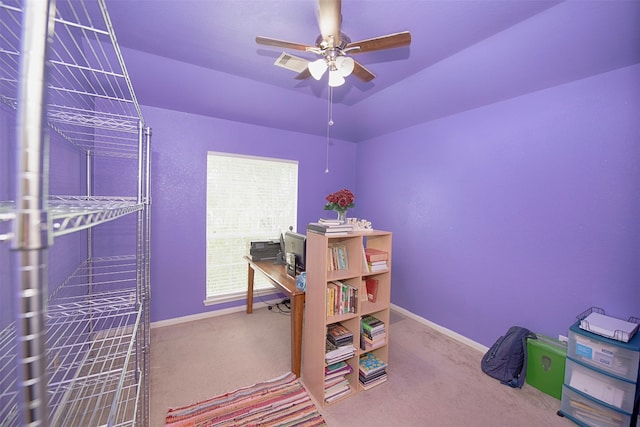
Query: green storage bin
{"x": 546, "y": 359}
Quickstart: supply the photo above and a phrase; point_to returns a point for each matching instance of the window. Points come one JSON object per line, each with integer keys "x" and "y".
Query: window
{"x": 248, "y": 198}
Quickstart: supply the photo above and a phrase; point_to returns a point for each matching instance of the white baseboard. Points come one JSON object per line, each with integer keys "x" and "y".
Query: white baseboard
{"x": 448, "y": 332}
{"x": 214, "y": 313}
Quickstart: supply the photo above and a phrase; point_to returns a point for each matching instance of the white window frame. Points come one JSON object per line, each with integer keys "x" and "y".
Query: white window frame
{"x": 263, "y": 216}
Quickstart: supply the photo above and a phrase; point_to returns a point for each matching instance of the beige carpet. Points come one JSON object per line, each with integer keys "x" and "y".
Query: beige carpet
{"x": 433, "y": 379}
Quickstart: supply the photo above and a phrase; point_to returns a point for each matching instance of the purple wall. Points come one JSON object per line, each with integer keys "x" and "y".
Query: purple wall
{"x": 520, "y": 212}
{"x": 524, "y": 212}
{"x": 180, "y": 143}
{"x": 115, "y": 237}
{"x": 66, "y": 176}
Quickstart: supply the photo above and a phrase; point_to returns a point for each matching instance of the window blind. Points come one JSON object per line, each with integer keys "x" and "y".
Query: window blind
{"x": 248, "y": 199}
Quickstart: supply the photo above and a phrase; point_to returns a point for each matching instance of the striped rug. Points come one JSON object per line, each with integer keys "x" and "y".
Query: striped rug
{"x": 282, "y": 401}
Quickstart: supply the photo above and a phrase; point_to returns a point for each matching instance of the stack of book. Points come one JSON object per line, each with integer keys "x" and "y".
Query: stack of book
{"x": 339, "y": 335}
{"x": 339, "y": 345}
{"x": 336, "y": 383}
{"x": 330, "y": 227}
{"x": 372, "y": 372}
{"x": 373, "y": 333}
{"x": 376, "y": 259}
{"x": 337, "y": 257}
{"x": 342, "y": 298}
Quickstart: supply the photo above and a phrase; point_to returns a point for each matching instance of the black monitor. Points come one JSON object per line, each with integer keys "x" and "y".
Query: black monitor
{"x": 295, "y": 249}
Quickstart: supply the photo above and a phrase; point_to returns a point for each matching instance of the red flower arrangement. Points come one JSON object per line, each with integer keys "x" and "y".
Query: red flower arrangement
{"x": 340, "y": 201}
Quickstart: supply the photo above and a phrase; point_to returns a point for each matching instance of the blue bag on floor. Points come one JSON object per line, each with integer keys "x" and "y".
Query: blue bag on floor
{"x": 506, "y": 360}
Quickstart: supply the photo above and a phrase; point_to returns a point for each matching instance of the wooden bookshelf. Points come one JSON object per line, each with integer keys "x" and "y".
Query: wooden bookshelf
{"x": 319, "y": 276}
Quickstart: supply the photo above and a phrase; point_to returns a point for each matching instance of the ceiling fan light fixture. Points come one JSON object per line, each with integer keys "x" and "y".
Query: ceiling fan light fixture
{"x": 335, "y": 78}
{"x": 345, "y": 65}
{"x": 317, "y": 68}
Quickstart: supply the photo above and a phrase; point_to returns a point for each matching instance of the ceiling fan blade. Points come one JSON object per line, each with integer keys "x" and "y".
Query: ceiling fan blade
{"x": 362, "y": 73}
{"x": 282, "y": 43}
{"x": 389, "y": 41}
{"x": 329, "y": 21}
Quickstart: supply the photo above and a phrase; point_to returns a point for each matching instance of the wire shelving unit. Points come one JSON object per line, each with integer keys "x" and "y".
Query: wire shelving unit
{"x": 77, "y": 351}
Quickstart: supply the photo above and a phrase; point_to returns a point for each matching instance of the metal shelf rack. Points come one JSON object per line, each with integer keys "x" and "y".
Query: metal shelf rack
{"x": 77, "y": 352}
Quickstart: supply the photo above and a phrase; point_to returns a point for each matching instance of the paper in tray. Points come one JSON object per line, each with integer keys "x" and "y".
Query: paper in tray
{"x": 609, "y": 327}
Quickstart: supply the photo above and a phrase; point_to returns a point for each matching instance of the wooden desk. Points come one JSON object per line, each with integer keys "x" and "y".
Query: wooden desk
{"x": 277, "y": 275}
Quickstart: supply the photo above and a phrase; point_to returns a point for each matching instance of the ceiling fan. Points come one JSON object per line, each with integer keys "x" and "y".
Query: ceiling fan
{"x": 333, "y": 46}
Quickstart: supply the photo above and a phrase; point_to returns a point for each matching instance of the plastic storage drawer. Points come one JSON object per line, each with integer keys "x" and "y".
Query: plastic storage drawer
{"x": 614, "y": 357}
{"x": 605, "y": 388}
{"x": 586, "y": 411}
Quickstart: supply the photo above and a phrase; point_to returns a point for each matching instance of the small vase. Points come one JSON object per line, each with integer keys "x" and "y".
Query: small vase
{"x": 342, "y": 215}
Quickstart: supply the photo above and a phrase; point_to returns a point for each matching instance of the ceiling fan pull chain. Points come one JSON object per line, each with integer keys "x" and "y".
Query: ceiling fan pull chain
{"x": 326, "y": 170}
{"x": 330, "y": 114}
{"x": 329, "y": 124}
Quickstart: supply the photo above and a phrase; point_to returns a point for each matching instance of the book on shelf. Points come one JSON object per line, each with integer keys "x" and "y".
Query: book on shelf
{"x": 335, "y": 385}
{"x": 333, "y": 230}
{"x": 337, "y": 389}
{"x": 372, "y": 370}
{"x": 367, "y": 384}
{"x": 337, "y": 257}
{"x": 335, "y": 381}
{"x": 374, "y": 337}
{"x": 335, "y": 354}
{"x": 369, "y": 364}
{"x": 378, "y": 263}
{"x": 376, "y": 266}
{"x": 372, "y": 376}
{"x": 372, "y": 289}
{"x": 335, "y": 370}
{"x": 339, "y": 344}
{"x": 368, "y": 345}
{"x": 372, "y": 324}
{"x": 373, "y": 333}
{"x": 342, "y": 298}
{"x": 337, "y": 395}
{"x": 330, "y": 221}
{"x": 374, "y": 255}
{"x": 339, "y": 335}
{"x": 336, "y": 367}
{"x": 331, "y": 295}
